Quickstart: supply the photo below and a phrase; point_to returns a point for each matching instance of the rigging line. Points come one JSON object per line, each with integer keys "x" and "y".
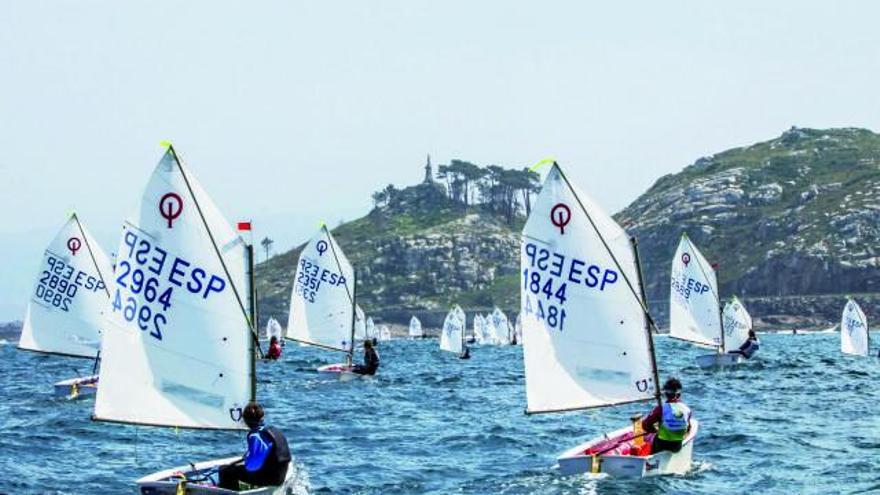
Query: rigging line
{"x": 216, "y": 249}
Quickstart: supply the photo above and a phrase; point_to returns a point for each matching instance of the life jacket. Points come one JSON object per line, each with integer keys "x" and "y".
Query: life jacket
{"x": 281, "y": 452}
{"x": 751, "y": 348}
{"x": 674, "y": 422}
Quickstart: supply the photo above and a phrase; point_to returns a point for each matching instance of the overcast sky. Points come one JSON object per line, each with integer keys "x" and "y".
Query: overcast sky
{"x": 293, "y": 112}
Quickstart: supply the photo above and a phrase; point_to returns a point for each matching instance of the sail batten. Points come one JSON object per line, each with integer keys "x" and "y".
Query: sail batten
{"x": 178, "y": 350}
{"x": 64, "y": 312}
{"x": 583, "y": 319}
{"x": 322, "y": 307}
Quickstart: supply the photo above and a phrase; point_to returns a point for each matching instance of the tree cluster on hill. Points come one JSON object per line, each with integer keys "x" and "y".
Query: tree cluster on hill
{"x": 502, "y": 191}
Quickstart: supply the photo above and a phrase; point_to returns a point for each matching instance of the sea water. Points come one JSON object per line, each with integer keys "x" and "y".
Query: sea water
{"x": 800, "y": 418}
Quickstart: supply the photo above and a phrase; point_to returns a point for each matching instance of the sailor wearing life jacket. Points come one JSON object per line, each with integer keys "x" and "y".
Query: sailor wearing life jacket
{"x": 671, "y": 421}
{"x": 267, "y": 457}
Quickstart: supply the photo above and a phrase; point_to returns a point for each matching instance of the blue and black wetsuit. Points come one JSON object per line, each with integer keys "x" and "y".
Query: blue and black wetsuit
{"x": 264, "y": 464}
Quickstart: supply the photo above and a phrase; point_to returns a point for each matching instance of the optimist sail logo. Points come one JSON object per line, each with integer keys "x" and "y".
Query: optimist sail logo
{"x": 170, "y": 207}
{"x": 73, "y": 244}
{"x": 321, "y": 247}
{"x": 686, "y": 259}
{"x": 560, "y": 215}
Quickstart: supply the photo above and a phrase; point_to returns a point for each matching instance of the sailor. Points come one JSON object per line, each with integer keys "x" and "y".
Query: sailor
{"x": 749, "y": 347}
{"x": 274, "y": 349}
{"x": 371, "y": 360}
{"x": 466, "y": 353}
{"x": 266, "y": 460}
{"x": 671, "y": 421}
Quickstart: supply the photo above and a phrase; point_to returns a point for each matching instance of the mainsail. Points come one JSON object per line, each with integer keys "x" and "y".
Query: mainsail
{"x": 694, "y": 310}
{"x": 360, "y": 323}
{"x": 370, "y": 328}
{"x": 517, "y": 329}
{"x": 479, "y": 326}
{"x": 500, "y": 327}
{"x": 585, "y": 335}
{"x": 384, "y": 333}
{"x": 179, "y": 345}
{"x": 64, "y": 312}
{"x": 737, "y": 323}
{"x": 415, "y": 327}
{"x": 273, "y": 329}
{"x": 322, "y": 298}
{"x": 452, "y": 334}
{"x": 853, "y": 330}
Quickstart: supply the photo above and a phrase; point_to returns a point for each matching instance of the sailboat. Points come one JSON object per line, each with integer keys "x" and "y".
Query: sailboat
{"x": 737, "y": 322}
{"x": 586, "y": 330}
{"x": 479, "y": 326}
{"x": 854, "y": 336}
{"x": 322, "y": 301}
{"x": 360, "y": 324}
{"x": 370, "y": 331}
{"x": 384, "y": 333}
{"x": 517, "y": 330}
{"x": 694, "y": 305}
{"x": 64, "y": 312}
{"x": 500, "y": 327}
{"x": 273, "y": 329}
{"x": 415, "y": 328}
{"x": 180, "y": 343}
{"x": 452, "y": 333}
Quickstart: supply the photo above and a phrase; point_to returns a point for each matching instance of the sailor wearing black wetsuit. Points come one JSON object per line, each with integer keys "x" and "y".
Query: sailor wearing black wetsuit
{"x": 371, "y": 361}
{"x": 267, "y": 457}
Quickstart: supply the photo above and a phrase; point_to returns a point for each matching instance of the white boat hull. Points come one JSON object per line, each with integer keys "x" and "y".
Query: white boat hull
{"x": 339, "y": 370}
{"x": 719, "y": 360}
{"x": 577, "y": 461}
{"x": 167, "y": 482}
{"x": 74, "y": 388}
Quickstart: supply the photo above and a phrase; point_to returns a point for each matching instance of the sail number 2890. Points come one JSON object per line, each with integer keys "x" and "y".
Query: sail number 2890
{"x": 551, "y": 309}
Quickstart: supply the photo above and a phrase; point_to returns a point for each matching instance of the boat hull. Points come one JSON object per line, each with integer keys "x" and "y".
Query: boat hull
{"x": 74, "y": 388}
{"x": 577, "y": 461}
{"x": 719, "y": 360}
{"x": 167, "y": 482}
{"x": 340, "y": 371}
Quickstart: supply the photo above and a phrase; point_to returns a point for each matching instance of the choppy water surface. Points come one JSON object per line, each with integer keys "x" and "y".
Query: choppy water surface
{"x": 802, "y": 419}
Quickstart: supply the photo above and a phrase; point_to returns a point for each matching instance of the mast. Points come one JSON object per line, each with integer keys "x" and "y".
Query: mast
{"x": 353, "y": 318}
{"x": 635, "y": 247}
{"x": 252, "y": 315}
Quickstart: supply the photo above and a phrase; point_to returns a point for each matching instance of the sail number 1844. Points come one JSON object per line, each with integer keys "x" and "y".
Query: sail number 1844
{"x": 551, "y": 309}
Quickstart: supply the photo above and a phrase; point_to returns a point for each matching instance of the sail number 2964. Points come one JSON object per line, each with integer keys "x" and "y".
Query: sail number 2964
{"x": 551, "y": 309}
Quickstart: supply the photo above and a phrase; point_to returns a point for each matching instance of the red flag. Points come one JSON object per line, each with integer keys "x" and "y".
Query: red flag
{"x": 244, "y": 226}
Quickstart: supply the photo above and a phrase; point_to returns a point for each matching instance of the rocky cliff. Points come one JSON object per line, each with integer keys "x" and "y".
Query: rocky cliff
{"x": 797, "y": 215}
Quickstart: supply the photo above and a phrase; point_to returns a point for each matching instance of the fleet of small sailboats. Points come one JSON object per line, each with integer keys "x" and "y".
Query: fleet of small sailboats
{"x": 323, "y": 301}
{"x": 181, "y": 339}
{"x": 64, "y": 312}
{"x": 586, "y": 330}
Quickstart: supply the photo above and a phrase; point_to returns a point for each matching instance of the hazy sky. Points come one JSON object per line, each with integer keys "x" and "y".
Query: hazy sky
{"x": 291, "y": 112}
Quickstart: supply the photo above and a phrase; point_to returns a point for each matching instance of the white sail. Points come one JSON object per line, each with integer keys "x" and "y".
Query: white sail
{"x": 360, "y": 323}
{"x": 178, "y": 346}
{"x": 384, "y": 333}
{"x": 273, "y": 329}
{"x": 370, "y": 328}
{"x": 321, "y": 301}
{"x": 478, "y": 325}
{"x": 694, "y": 311}
{"x": 737, "y": 323}
{"x": 70, "y": 291}
{"x": 415, "y": 327}
{"x": 853, "y": 330}
{"x": 452, "y": 334}
{"x": 585, "y": 342}
{"x": 500, "y": 327}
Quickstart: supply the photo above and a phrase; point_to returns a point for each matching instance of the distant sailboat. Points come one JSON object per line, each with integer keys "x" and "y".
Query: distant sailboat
{"x": 694, "y": 305}
{"x": 854, "y": 336}
{"x": 479, "y": 329}
{"x": 586, "y": 335}
{"x": 384, "y": 333}
{"x": 273, "y": 329}
{"x": 322, "y": 301}
{"x": 360, "y": 324}
{"x": 415, "y": 328}
{"x": 181, "y": 341}
{"x": 64, "y": 312}
{"x": 517, "y": 330}
{"x": 737, "y": 323}
{"x": 500, "y": 327}
{"x": 370, "y": 329}
{"x": 452, "y": 333}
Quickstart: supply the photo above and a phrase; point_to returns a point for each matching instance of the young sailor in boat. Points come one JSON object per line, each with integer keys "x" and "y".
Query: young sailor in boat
{"x": 466, "y": 353}
{"x": 274, "y": 351}
{"x": 371, "y": 360}
{"x": 671, "y": 421}
{"x": 267, "y": 457}
{"x": 749, "y": 347}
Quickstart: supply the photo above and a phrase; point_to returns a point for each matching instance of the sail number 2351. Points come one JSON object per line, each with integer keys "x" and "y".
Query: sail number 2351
{"x": 551, "y": 309}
